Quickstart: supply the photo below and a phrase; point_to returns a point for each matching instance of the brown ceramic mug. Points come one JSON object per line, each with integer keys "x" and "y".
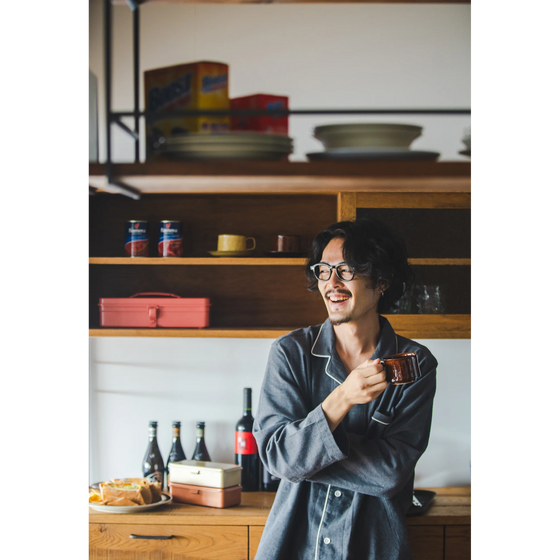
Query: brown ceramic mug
{"x": 287, "y": 244}
{"x": 401, "y": 369}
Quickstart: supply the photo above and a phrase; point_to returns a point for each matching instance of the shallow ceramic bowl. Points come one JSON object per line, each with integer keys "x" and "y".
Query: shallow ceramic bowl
{"x": 367, "y": 135}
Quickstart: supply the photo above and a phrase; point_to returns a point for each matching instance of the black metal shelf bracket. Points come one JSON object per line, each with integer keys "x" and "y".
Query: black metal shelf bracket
{"x": 136, "y": 114}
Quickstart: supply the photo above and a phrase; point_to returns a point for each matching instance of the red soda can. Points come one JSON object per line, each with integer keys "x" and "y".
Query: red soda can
{"x": 170, "y": 239}
{"x": 136, "y": 244}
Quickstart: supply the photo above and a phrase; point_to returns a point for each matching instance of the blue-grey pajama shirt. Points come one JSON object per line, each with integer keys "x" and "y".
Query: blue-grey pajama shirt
{"x": 343, "y": 495}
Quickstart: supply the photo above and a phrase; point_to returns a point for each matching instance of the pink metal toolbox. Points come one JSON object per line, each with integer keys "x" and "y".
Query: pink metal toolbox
{"x": 158, "y": 310}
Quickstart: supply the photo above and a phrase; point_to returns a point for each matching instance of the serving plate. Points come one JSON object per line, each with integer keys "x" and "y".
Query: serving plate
{"x": 372, "y": 154}
{"x": 226, "y": 154}
{"x": 165, "y": 499}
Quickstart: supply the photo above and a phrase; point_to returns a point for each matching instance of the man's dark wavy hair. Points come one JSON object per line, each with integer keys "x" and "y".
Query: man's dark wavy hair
{"x": 372, "y": 250}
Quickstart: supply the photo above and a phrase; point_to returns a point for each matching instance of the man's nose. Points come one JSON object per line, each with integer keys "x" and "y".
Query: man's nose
{"x": 334, "y": 281}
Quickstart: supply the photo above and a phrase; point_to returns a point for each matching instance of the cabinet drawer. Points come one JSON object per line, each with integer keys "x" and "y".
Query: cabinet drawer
{"x": 188, "y": 542}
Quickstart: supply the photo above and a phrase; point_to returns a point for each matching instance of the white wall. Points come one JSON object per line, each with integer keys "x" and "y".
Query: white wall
{"x": 322, "y": 56}
{"x": 135, "y": 380}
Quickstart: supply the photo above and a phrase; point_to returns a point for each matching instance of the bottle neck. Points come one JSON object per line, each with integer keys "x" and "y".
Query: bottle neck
{"x": 176, "y": 434}
{"x": 247, "y": 402}
{"x": 199, "y": 434}
{"x": 152, "y": 433}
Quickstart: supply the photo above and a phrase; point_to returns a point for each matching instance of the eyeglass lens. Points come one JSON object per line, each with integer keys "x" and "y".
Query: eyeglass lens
{"x": 324, "y": 272}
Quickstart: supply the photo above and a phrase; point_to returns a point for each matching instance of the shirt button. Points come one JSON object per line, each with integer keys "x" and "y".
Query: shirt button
{"x": 326, "y": 540}
{"x": 338, "y": 493}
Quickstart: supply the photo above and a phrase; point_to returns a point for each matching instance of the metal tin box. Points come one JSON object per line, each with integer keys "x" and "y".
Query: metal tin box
{"x": 205, "y": 473}
{"x": 160, "y": 311}
{"x": 205, "y": 496}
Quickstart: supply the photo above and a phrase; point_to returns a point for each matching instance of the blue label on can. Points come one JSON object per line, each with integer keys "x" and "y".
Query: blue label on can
{"x": 170, "y": 242}
{"x": 136, "y": 244}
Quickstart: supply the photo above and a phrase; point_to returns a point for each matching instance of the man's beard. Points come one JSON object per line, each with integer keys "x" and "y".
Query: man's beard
{"x": 342, "y": 320}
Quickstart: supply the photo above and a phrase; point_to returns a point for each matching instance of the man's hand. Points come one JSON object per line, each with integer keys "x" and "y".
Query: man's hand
{"x": 363, "y": 385}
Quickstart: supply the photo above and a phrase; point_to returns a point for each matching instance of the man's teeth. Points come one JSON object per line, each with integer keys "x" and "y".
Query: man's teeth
{"x": 338, "y": 298}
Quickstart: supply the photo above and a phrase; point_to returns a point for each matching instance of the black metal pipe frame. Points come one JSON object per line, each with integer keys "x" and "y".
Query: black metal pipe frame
{"x": 110, "y": 116}
{"x": 136, "y": 114}
{"x": 286, "y": 112}
{"x": 136, "y": 50}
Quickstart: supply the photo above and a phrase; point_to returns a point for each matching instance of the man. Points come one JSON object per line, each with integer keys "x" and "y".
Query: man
{"x": 343, "y": 442}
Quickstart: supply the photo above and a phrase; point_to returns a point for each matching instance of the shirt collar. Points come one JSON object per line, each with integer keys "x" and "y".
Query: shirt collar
{"x": 325, "y": 347}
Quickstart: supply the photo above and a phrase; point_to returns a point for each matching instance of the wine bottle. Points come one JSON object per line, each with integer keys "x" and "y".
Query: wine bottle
{"x": 270, "y": 482}
{"x": 200, "y": 452}
{"x": 246, "y": 452}
{"x": 153, "y": 467}
{"x": 176, "y": 453}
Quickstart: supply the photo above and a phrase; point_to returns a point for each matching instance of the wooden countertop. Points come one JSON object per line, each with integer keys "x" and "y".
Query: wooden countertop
{"x": 451, "y": 506}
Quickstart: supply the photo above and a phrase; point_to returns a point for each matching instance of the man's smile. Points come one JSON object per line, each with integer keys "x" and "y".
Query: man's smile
{"x": 338, "y": 297}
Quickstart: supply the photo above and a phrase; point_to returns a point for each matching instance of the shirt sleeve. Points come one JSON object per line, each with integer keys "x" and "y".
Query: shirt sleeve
{"x": 382, "y": 464}
{"x": 294, "y": 443}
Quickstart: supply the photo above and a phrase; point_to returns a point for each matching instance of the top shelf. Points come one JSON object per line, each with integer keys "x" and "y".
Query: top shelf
{"x": 119, "y": 2}
{"x": 263, "y": 177}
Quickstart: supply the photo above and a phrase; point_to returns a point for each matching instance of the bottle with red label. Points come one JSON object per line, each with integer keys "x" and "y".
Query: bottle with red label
{"x": 246, "y": 452}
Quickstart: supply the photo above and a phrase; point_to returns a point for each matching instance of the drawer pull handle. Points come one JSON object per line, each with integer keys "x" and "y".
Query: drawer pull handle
{"x": 162, "y": 538}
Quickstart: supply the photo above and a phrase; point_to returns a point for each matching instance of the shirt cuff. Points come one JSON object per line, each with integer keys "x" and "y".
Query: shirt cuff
{"x": 336, "y": 443}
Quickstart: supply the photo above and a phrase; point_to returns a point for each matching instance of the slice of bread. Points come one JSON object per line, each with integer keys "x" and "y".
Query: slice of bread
{"x": 137, "y": 493}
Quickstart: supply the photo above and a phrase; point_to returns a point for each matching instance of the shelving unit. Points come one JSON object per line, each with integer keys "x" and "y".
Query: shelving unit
{"x": 262, "y": 199}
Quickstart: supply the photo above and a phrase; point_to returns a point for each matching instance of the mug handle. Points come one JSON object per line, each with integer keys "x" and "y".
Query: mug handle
{"x": 254, "y": 243}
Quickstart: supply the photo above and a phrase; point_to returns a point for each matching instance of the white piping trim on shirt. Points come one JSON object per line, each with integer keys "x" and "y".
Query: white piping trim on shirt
{"x": 321, "y": 522}
{"x": 322, "y": 356}
{"x": 377, "y": 420}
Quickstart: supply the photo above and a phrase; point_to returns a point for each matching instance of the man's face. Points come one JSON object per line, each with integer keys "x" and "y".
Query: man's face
{"x": 345, "y": 301}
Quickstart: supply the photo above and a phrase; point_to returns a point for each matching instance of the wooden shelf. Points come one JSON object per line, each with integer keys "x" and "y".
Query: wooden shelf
{"x": 123, "y": 2}
{"x": 410, "y": 326}
{"x": 245, "y": 177}
{"x": 203, "y": 261}
{"x": 258, "y": 199}
{"x": 246, "y": 261}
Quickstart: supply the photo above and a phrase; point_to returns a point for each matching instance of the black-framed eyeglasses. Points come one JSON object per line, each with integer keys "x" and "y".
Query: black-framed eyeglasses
{"x": 323, "y": 271}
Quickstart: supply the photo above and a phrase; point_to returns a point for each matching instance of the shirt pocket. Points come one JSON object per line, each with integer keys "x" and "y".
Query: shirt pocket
{"x": 379, "y": 422}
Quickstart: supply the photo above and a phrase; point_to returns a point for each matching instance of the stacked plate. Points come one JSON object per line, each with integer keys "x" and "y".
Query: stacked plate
{"x": 378, "y": 141}
{"x": 227, "y": 145}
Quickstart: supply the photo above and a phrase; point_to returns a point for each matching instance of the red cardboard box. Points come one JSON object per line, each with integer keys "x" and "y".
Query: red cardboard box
{"x": 165, "y": 310}
{"x": 276, "y": 125}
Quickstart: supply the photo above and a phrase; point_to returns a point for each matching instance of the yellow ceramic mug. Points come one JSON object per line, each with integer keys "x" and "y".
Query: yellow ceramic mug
{"x": 228, "y": 242}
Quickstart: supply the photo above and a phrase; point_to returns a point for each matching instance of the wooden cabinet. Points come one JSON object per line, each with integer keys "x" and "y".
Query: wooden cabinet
{"x": 186, "y": 532}
{"x": 262, "y": 296}
{"x": 168, "y": 542}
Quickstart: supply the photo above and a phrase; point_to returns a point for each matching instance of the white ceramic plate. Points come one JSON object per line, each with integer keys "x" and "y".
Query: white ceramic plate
{"x": 165, "y": 499}
{"x": 373, "y": 154}
{"x": 251, "y": 138}
{"x": 226, "y": 153}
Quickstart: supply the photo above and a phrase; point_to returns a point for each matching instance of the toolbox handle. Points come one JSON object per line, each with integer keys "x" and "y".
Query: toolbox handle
{"x": 155, "y": 294}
